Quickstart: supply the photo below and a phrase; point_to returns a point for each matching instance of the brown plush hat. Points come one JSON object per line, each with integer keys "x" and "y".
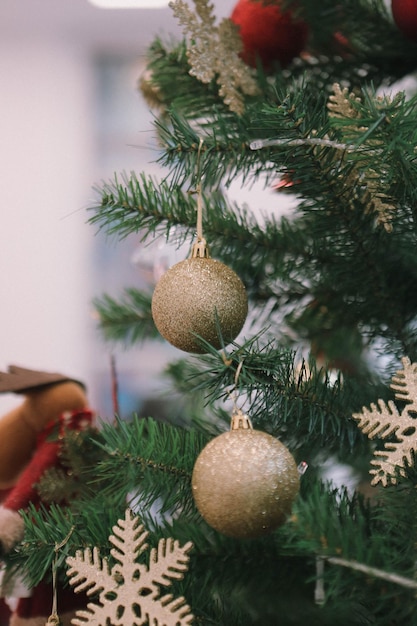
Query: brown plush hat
{"x": 21, "y": 380}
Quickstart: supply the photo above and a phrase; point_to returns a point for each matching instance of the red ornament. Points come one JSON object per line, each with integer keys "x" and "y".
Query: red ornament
{"x": 267, "y": 33}
{"x": 404, "y": 13}
{"x": 285, "y": 182}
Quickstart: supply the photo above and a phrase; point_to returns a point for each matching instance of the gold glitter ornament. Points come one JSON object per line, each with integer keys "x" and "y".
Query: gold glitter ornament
{"x": 199, "y": 297}
{"x": 245, "y": 481}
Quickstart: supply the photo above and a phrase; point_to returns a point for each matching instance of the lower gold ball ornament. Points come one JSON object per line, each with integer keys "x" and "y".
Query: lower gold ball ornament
{"x": 244, "y": 483}
{"x": 199, "y": 297}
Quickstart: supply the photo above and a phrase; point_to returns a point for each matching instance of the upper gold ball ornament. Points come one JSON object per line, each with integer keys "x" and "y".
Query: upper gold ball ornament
{"x": 199, "y": 297}
{"x": 244, "y": 482}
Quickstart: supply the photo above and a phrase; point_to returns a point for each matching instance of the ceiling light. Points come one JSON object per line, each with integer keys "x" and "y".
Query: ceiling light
{"x": 129, "y": 4}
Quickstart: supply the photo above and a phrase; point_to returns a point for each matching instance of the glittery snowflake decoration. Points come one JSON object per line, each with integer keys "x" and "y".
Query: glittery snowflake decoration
{"x": 213, "y": 52}
{"x": 129, "y": 592}
{"x": 364, "y": 183}
{"x": 340, "y": 103}
{"x": 385, "y": 421}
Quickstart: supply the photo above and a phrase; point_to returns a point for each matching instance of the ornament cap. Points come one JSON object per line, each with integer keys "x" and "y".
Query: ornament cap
{"x": 200, "y": 249}
{"x": 240, "y": 421}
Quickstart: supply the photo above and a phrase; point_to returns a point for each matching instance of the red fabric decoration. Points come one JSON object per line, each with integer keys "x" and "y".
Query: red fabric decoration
{"x": 5, "y": 613}
{"x": 47, "y": 456}
{"x": 268, "y": 34}
{"x": 35, "y": 609}
{"x": 29, "y": 609}
{"x": 404, "y": 13}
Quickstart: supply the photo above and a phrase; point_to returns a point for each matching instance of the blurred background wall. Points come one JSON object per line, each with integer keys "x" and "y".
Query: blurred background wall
{"x": 68, "y": 119}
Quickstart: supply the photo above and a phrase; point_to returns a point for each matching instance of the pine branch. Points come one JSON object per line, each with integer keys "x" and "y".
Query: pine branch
{"x": 281, "y": 247}
{"x": 370, "y": 47}
{"x": 142, "y": 450}
{"x": 44, "y": 529}
{"x": 339, "y": 526}
{"x": 224, "y": 153}
{"x": 169, "y": 85}
{"x": 357, "y": 54}
{"x": 128, "y": 320}
{"x": 141, "y": 205}
{"x": 374, "y": 572}
{"x": 281, "y": 395}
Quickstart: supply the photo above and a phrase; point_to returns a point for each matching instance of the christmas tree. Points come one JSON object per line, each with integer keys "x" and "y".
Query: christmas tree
{"x": 317, "y": 370}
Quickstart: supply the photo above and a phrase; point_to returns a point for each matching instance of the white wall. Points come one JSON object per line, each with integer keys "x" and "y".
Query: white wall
{"x": 51, "y": 146}
{"x": 46, "y": 147}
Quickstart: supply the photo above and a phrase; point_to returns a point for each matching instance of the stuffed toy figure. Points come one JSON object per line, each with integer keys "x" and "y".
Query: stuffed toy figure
{"x": 30, "y": 444}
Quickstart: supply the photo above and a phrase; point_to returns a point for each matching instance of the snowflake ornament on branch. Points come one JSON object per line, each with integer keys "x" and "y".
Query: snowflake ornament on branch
{"x": 213, "y": 51}
{"x": 370, "y": 184}
{"x": 129, "y": 592}
{"x": 384, "y": 421}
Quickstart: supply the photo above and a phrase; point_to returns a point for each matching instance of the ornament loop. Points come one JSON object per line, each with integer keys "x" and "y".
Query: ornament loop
{"x": 237, "y": 374}
{"x": 199, "y": 193}
{"x": 53, "y": 619}
{"x": 200, "y": 249}
{"x": 240, "y": 421}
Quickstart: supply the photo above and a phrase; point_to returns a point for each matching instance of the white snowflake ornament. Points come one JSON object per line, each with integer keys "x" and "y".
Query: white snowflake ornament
{"x": 129, "y": 592}
{"x": 384, "y": 420}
